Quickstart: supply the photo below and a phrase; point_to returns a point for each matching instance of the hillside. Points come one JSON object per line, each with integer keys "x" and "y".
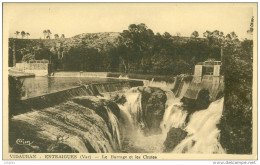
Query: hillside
{"x": 92, "y": 40}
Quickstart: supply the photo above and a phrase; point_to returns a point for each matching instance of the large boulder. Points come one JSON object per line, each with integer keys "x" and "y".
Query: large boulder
{"x": 193, "y": 105}
{"x": 174, "y": 137}
{"x": 153, "y": 108}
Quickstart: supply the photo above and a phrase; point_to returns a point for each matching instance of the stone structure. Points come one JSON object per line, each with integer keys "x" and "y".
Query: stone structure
{"x": 207, "y": 68}
{"x": 37, "y": 67}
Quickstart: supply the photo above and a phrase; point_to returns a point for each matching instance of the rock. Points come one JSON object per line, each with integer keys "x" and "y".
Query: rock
{"x": 174, "y": 137}
{"x": 193, "y": 105}
{"x": 118, "y": 98}
{"x": 153, "y": 108}
{"x": 202, "y": 102}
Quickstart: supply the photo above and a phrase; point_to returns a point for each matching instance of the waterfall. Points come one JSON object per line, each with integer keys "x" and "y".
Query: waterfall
{"x": 133, "y": 108}
{"x": 174, "y": 115}
{"x": 202, "y": 131}
{"x": 123, "y": 77}
{"x": 142, "y": 122}
{"x": 81, "y": 125}
{"x": 161, "y": 84}
{"x": 115, "y": 128}
{"x": 133, "y": 134}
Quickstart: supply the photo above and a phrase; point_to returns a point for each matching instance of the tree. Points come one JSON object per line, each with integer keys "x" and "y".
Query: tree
{"x": 162, "y": 63}
{"x": 233, "y": 36}
{"x": 167, "y": 35}
{"x": 28, "y": 57}
{"x": 49, "y": 33}
{"x": 195, "y": 34}
{"x": 62, "y": 36}
{"x": 27, "y": 34}
{"x": 215, "y": 40}
{"x": 15, "y": 94}
{"x": 23, "y": 34}
{"x": 137, "y": 42}
{"x": 56, "y": 36}
{"x": 17, "y": 33}
{"x": 44, "y": 33}
{"x": 251, "y": 29}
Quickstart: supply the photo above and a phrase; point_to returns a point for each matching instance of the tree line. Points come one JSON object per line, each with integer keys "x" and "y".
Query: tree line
{"x": 138, "y": 50}
{"x": 46, "y": 34}
{"x": 23, "y": 34}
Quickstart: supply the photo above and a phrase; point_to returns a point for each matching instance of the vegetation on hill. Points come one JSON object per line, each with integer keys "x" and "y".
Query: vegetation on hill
{"x": 236, "y": 122}
{"x": 135, "y": 50}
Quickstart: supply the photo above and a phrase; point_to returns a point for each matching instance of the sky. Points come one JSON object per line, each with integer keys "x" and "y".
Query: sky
{"x": 76, "y": 18}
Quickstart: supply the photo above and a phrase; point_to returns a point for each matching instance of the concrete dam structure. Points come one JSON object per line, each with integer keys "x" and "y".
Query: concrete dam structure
{"x": 190, "y": 87}
{"x": 128, "y": 116}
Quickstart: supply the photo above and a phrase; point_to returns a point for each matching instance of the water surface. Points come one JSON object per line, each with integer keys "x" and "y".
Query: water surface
{"x": 37, "y": 86}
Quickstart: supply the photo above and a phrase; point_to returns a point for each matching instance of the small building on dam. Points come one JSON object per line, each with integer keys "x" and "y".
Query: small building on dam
{"x": 36, "y": 67}
{"x": 207, "y": 68}
{"x": 207, "y": 76}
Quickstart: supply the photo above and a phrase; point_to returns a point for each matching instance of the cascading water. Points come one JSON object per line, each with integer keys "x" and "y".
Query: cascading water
{"x": 174, "y": 115}
{"x": 202, "y": 131}
{"x": 95, "y": 124}
{"x": 134, "y": 137}
{"x": 160, "y": 84}
{"x": 115, "y": 128}
{"x": 81, "y": 125}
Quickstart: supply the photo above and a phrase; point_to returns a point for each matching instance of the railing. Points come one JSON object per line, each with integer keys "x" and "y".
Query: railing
{"x": 210, "y": 63}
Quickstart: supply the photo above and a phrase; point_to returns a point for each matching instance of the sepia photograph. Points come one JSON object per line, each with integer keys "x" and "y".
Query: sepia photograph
{"x": 129, "y": 81}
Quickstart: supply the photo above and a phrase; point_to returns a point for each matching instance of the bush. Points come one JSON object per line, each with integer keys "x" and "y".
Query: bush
{"x": 28, "y": 57}
{"x": 15, "y": 94}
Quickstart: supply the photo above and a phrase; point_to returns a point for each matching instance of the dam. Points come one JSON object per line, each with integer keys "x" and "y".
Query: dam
{"x": 92, "y": 115}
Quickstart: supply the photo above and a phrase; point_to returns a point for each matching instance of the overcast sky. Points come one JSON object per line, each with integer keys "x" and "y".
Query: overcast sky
{"x": 75, "y": 18}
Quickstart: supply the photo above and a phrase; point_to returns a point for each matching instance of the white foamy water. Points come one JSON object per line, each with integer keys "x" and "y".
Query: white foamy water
{"x": 160, "y": 84}
{"x": 115, "y": 129}
{"x": 174, "y": 115}
{"x": 131, "y": 111}
{"x": 202, "y": 130}
{"x": 76, "y": 126}
{"x": 203, "y": 135}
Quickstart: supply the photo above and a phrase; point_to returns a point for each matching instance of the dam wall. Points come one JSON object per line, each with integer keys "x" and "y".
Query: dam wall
{"x": 190, "y": 86}
{"x": 187, "y": 87}
{"x": 80, "y": 74}
{"x": 95, "y": 89}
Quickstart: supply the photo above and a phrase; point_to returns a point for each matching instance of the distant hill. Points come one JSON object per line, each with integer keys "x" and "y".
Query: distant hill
{"x": 101, "y": 41}
{"x": 92, "y": 40}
